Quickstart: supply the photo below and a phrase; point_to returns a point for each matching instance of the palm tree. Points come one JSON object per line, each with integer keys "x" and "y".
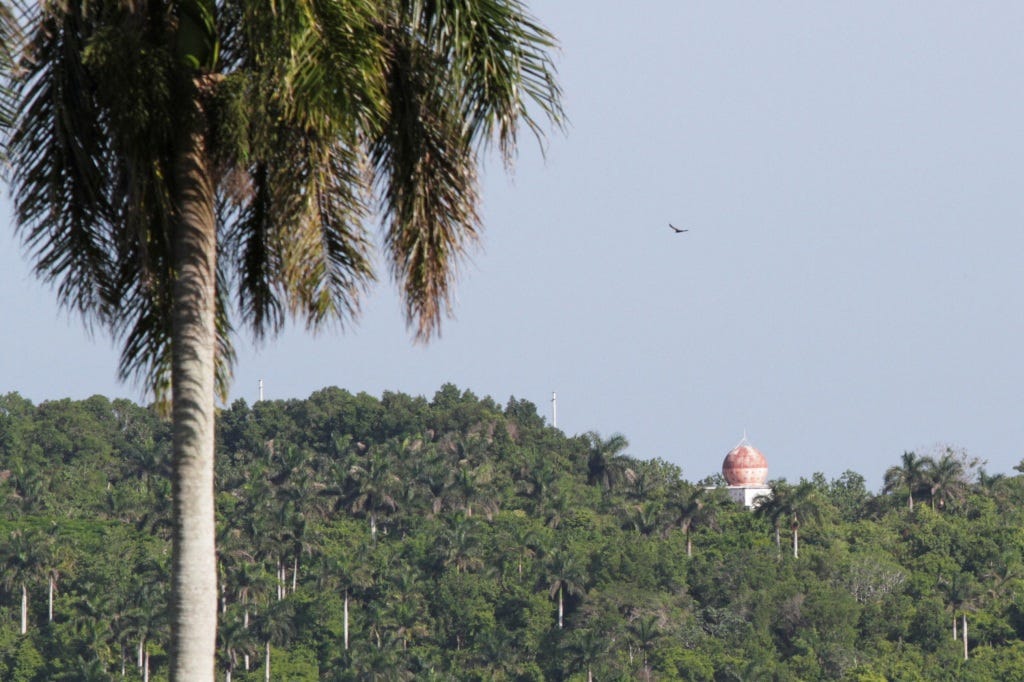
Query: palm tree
{"x": 148, "y": 618}
{"x": 460, "y": 544}
{"x": 691, "y": 508}
{"x": 806, "y": 505}
{"x": 164, "y": 153}
{"x": 234, "y": 639}
{"x": 470, "y": 487}
{"x": 775, "y": 508}
{"x": 375, "y": 488}
{"x": 589, "y": 645}
{"x": 55, "y": 558}
{"x": 21, "y": 565}
{"x": 275, "y": 626}
{"x": 86, "y": 670}
{"x": 796, "y": 504}
{"x": 909, "y": 476}
{"x": 644, "y": 517}
{"x": 605, "y": 463}
{"x": 347, "y": 573}
{"x": 644, "y": 631}
{"x": 564, "y": 575}
{"x": 962, "y": 591}
{"x": 946, "y": 480}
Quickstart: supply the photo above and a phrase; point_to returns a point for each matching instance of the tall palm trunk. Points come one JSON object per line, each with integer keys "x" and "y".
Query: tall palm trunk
{"x": 245, "y": 624}
{"x": 561, "y": 607}
{"x": 52, "y": 589}
{"x": 193, "y": 342}
{"x": 346, "y": 619}
{"x": 24, "y": 608}
{"x": 964, "y": 629}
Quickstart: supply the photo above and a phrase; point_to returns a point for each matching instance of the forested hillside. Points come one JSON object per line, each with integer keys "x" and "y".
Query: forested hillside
{"x": 455, "y": 538}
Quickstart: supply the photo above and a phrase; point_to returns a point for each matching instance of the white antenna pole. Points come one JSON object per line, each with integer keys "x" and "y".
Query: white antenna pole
{"x": 261, "y": 390}
{"x": 554, "y": 409}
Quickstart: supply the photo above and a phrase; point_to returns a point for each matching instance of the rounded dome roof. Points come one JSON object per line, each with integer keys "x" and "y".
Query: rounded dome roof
{"x": 745, "y": 466}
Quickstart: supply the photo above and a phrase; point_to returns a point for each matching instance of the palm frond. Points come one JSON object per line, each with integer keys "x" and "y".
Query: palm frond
{"x": 426, "y": 172}
{"x": 58, "y": 155}
{"x": 501, "y": 59}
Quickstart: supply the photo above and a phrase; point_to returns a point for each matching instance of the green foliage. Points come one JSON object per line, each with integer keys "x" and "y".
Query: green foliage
{"x": 485, "y": 517}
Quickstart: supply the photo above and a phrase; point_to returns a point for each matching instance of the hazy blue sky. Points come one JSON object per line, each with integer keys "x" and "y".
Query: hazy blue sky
{"x": 850, "y": 288}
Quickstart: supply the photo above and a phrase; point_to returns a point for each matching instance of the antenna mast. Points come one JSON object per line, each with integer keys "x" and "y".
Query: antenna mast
{"x": 261, "y": 391}
{"x": 554, "y": 409}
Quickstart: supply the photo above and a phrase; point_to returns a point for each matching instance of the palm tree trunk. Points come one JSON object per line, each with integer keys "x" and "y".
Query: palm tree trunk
{"x": 964, "y": 630}
{"x": 24, "y": 608}
{"x": 245, "y": 624}
{"x": 193, "y": 370}
{"x": 266, "y": 666}
{"x": 561, "y": 608}
{"x": 346, "y": 619}
{"x": 796, "y": 543}
{"x": 50, "y": 599}
{"x": 295, "y": 573}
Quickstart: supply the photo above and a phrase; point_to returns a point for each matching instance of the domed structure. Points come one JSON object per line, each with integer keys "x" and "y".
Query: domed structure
{"x": 745, "y": 466}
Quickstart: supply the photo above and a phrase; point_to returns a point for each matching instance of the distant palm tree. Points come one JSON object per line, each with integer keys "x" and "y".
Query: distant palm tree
{"x": 644, "y": 632}
{"x": 793, "y": 504}
{"x": 946, "y": 479}
{"x": 275, "y": 626}
{"x": 234, "y": 640}
{"x": 589, "y": 646}
{"x": 347, "y": 572}
{"x": 22, "y": 564}
{"x": 962, "y": 591}
{"x": 909, "y": 475}
{"x": 86, "y": 670}
{"x": 164, "y": 154}
{"x": 460, "y": 544}
{"x": 692, "y": 507}
{"x": 375, "y": 488}
{"x": 605, "y": 464}
{"x": 564, "y": 576}
{"x": 645, "y": 517}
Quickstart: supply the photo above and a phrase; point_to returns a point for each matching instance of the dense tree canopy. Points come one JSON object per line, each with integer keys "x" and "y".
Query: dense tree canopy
{"x": 403, "y": 537}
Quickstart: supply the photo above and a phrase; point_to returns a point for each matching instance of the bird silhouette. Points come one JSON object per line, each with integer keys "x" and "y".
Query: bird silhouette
{"x": 677, "y": 230}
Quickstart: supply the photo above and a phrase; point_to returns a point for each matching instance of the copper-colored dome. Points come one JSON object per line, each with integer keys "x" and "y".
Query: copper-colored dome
{"x": 745, "y": 465}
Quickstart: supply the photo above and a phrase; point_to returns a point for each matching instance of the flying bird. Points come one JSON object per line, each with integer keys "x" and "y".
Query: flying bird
{"x": 677, "y": 230}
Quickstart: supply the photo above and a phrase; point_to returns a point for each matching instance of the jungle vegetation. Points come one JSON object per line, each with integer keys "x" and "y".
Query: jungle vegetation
{"x": 456, "y": 538}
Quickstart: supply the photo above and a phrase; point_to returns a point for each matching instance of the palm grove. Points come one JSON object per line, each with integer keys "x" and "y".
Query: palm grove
{"x": 398, "y": 537}
{"x": 178, "y": 164}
